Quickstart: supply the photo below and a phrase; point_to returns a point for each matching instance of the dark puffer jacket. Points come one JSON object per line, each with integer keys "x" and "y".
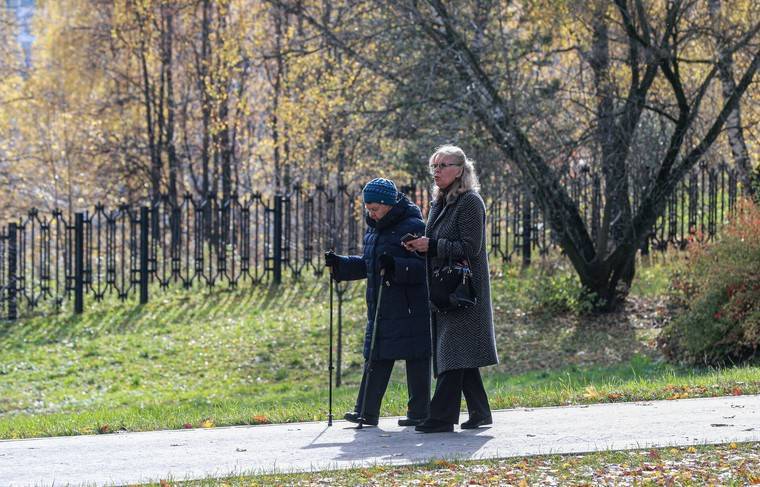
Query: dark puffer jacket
{"x": 404, "y": 320}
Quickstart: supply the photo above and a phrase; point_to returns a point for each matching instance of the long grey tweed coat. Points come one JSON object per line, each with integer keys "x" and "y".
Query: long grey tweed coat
{"x": 463, "y": 338}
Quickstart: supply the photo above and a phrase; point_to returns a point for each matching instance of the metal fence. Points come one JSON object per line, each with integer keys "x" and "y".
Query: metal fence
{"x": 47, "y": 260}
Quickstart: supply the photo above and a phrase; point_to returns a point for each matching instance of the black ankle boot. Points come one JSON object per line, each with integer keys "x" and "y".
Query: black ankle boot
{"x": 434, "y": 426}
{"x": 353, "y": 417}
{"x": 476, "y": 421}
{"x": 407, "y": 421}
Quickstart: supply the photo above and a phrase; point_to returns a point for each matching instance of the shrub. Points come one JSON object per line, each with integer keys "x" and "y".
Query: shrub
{"x": 718, "y": 289}
{"x": 556, "y": 290}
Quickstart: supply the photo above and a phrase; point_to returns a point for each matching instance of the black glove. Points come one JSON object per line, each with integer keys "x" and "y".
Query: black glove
{"x": 331, "y": 260}
{"x": 387, "y": 264}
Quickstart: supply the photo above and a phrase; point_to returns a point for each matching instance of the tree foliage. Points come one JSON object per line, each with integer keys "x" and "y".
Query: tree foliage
{"x": 128, "y": 100}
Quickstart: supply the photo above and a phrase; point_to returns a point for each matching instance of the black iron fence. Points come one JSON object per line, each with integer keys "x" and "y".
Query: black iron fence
{"x": 47, "y": 260}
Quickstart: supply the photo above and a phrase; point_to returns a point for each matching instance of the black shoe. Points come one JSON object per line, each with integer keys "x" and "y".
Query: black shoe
{"x": 407, "y": 421}
{"x": 476, "y": 422}
{"x": 434, "y": 426}
{"x": 353, "y": 417}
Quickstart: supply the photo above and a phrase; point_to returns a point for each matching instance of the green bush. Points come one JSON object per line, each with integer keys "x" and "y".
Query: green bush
{"x": 559, "y": 290}
{"x": 718, "y": 289}
{"x": 756, "y": 185}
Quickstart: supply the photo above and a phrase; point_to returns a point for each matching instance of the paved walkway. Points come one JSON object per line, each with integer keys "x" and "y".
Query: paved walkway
{"x": 185, "y": 454}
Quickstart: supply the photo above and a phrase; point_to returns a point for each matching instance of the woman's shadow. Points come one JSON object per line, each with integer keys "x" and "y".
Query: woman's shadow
{"x": 377, "y": 445}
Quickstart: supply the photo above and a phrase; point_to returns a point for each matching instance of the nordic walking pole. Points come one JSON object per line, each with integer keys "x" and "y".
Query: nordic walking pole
{"x": 330, "y": 399}
{"x": 368, "y": 368}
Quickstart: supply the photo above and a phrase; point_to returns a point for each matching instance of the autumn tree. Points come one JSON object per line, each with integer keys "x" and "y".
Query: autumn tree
{"x": 641, "y": 58}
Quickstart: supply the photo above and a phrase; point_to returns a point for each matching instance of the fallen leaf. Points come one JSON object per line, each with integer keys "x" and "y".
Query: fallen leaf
{"x": 591, "y": 393}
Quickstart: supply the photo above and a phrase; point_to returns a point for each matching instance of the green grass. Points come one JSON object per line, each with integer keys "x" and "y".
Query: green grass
{"x": 226, "y": 357}
{"x": 730, "y": 465}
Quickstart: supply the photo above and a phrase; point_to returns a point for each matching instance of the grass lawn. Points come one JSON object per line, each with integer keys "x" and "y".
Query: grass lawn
{"x": 205, "y": 357}
{"x": 727, "y": 465}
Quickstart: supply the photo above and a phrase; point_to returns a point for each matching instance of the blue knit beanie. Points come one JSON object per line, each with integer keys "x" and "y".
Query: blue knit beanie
{"x": 380, "y": 190}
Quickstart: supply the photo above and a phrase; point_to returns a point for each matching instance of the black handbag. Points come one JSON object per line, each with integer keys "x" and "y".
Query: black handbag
{"x": 451, "y": 287}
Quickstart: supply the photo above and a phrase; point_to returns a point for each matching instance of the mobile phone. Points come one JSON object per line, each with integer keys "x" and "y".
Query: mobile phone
{"x": 408, "y": 237}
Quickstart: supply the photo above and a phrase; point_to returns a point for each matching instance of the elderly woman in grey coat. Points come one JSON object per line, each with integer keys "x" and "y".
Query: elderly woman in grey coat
{"x": 463, "y": 339}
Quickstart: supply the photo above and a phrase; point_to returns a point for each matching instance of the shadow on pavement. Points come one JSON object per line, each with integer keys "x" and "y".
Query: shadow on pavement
{"x": 402, "y": 446}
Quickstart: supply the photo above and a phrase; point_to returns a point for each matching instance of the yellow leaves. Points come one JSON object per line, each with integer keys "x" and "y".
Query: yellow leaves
{"x": 683, "y": 392}
{"x": 206, "y": 423}
{"x": 444, "y": 464}
{"x": 591, "y": 393}
{"x": 692, "y": 450}
{"x": 677, "y": 395}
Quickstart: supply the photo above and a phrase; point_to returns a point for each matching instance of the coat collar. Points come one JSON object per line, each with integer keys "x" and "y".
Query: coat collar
{"x": 443, "y": 210}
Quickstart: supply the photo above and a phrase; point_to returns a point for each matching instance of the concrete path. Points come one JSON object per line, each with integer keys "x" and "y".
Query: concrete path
{"x": 185, "y": 454}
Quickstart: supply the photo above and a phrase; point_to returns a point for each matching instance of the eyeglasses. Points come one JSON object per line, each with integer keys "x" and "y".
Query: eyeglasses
{"x": 441, "y": 166}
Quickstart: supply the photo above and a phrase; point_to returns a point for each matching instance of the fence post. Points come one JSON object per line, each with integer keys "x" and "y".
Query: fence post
{"x": 526, "y": 230}
{"x": 79, "y": 263}
{"x": 277, "y": 236}
{"x": 12, "y": 259}
{"x": 144, "y": 233}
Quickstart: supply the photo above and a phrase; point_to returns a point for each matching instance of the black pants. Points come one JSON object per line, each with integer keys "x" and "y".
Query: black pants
{"x": 447, "y": 398}
{"x": 417, "y": 382}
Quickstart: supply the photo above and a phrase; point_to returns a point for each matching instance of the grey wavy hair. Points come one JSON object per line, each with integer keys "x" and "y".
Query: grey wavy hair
{"x": 468, "y": 181}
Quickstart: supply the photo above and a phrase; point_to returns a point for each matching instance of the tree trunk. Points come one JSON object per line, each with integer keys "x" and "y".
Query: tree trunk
{"x": 170, "y": 105}
{"x": 276, "y": 80}
{"x": 223, "y": 143}
{"x": 203, "y": 90}
{"x": 616, "y": 216}
{"x": 148, "y": 100}
{"x": 734, "y": 129}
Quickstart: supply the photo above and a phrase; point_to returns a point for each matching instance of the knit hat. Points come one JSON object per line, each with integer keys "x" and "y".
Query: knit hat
{"x": 380, "y": 190}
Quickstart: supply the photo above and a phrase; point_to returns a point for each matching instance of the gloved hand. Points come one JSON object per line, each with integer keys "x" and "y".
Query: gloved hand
{"x": 387, "y": 264}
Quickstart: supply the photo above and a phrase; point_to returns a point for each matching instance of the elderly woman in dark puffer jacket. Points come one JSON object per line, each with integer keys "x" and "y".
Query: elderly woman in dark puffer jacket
{"x": 464, "y": 339}
{"x": 403, "y": 323}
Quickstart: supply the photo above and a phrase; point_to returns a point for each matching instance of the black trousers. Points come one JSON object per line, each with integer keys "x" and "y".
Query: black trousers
{"x": 417, "y": 382}
{"x": 447, "y": 398}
